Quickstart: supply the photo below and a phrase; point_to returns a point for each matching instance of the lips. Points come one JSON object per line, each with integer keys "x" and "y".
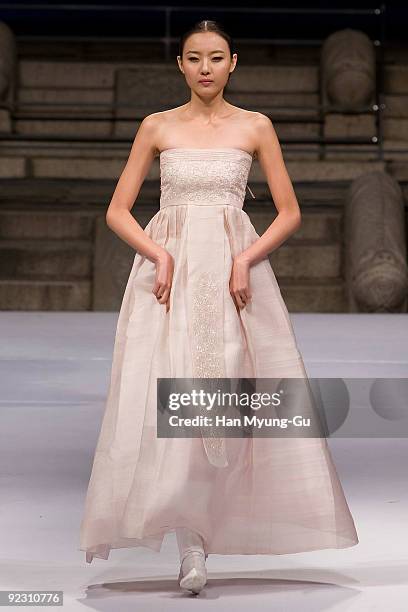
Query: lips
{"x": 205, "y": 81}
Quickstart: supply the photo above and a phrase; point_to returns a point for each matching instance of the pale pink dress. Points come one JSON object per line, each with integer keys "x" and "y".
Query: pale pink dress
{"x": 247, "y": 496}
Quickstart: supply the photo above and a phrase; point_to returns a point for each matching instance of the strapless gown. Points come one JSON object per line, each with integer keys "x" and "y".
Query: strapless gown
{"x": 244, "y": 496}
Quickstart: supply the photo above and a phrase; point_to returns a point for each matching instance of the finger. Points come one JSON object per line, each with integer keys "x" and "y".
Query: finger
{"x": 239, "y": 300}
{"x": 168, "y": 302}
{"x": 156, "y": 287}
{"x": 161, "y": 287}
{"x": 246, "y": 300}
{"x": 234, "y": 300}
{"x": 164, "y": 296}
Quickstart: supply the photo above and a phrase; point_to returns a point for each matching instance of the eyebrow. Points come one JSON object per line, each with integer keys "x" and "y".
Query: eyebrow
{"x": 216, "y": 51}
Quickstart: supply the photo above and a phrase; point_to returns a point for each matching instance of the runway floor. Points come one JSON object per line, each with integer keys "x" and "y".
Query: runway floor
{"x": 54, "y": 377}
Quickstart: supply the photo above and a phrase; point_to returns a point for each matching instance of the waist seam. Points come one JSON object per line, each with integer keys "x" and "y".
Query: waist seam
{"x": 202, "y": 205}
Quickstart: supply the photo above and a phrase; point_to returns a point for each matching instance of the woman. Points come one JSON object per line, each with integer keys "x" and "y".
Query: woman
{"x": 202, "y": 301}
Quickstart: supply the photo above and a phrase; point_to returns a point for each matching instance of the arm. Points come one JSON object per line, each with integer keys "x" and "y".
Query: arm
{"x": 118, "y": 216}
{"x": 288, "y": 219}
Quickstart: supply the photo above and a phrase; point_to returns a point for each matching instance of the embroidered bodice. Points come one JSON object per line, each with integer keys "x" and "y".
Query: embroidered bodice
{"x": 204, "y": 176}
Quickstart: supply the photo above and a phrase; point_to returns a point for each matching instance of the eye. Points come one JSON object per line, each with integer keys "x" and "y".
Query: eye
{"x": 193, "y": 59}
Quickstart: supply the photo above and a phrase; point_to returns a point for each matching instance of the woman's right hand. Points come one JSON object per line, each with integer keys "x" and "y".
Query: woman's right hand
{"x": 164, "y": 278}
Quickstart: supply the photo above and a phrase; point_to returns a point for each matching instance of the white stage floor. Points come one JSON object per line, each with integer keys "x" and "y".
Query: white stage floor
{"x": 54, "y": 376}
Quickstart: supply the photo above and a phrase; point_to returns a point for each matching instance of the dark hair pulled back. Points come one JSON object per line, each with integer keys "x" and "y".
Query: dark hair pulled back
{"x": 206, "y": 25}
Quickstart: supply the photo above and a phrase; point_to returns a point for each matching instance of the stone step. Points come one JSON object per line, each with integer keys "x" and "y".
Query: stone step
{"x": 102, "y": 75}
{"x": 73, "y": 164}
{"x": 28, "y": 294}
{"x": 74, "y": 224}
{"x": 396, "y": 79}
{"x": 131, "y": 50}
{"x": 53, "y": 258}
{"x": 396, "y": 129}
{"x": 396, "y": 106}
{"x": 134, "y": 49}
{"x": 45, "y": 224}
{"x": 17, "y": 153}
{"x": 307, "y": 259}
{"x": 317, "y": 295}
{"x": 100, "y": 128}
{"x": 49, "y": 101}
{"x": 395, "y": 52}
{"x": 54, "y": 75}
{"x": 50, "y": 74}
{"x": 90, "y": 196}
{"x": 316, "y": 224}
{"x": 320, "y": 172}
{"x": 54, "y": 100}
{"x": 82, "y": 196}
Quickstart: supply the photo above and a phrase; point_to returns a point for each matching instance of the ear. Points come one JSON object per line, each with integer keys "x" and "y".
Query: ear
{"x": 179, "y": 63}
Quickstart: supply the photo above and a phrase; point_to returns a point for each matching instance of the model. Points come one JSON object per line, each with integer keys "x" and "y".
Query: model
{"x": 202, "y": 301}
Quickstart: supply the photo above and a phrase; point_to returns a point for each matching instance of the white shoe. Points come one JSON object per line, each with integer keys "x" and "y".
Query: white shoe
{"x": 194, "y": 576}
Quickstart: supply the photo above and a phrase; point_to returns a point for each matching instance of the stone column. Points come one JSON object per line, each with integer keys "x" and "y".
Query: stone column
{"x": 375, "y": 244}
{"x": 8, "y": 72}
{"x": 347, "y": 81}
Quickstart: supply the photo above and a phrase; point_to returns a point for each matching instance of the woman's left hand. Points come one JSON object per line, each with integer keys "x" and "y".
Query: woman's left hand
{"x": 239, "y": 282}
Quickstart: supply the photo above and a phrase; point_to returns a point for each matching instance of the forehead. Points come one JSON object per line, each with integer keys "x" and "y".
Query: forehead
{"x": 208, "y": 42}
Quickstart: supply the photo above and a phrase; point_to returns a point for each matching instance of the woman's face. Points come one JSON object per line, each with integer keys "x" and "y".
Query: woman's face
{"x": 206, "y": 56}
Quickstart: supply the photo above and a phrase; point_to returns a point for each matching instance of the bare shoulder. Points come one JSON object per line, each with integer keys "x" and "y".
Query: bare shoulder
{"x": 165, "y": 116}
{"x": 264, "y": 134}
{"x": 150, "y": 122}
{"x": 146, "y": 133}
{"x": 256, "y": 126}
{"x": 158, "y": 123}
{"x": 262, "y": 122}
{"x": 245, "y": 116}
{"x": 244, "y": 122}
